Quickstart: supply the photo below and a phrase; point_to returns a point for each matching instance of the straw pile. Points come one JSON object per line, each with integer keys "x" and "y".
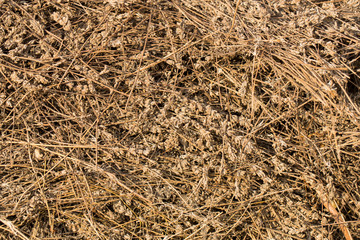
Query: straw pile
{"x": 179, "y": 119}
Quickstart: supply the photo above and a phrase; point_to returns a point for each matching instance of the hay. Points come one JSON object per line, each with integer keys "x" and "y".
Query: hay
{"x": 179, "y": 119}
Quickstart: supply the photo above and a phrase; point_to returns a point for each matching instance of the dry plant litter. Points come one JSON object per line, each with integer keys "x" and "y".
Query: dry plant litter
{"x": 179, "y": 119}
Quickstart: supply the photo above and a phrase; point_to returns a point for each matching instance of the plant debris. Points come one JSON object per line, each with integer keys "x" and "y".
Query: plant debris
{"x": 179, "y": 119}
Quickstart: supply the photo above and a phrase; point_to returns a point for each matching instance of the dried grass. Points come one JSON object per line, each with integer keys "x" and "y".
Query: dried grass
{"x": 179, "y": 119}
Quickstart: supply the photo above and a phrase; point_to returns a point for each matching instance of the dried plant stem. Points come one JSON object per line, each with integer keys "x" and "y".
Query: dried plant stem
{"x": 331, "y": 207}
{"x": 13, "y": 229}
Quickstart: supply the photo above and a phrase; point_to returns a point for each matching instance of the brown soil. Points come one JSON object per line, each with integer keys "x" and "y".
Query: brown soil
{"x": 181, "y": 119}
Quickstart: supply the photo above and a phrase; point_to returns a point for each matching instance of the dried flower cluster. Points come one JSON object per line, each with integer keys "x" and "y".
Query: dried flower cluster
{"x": 179, "y": 119}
